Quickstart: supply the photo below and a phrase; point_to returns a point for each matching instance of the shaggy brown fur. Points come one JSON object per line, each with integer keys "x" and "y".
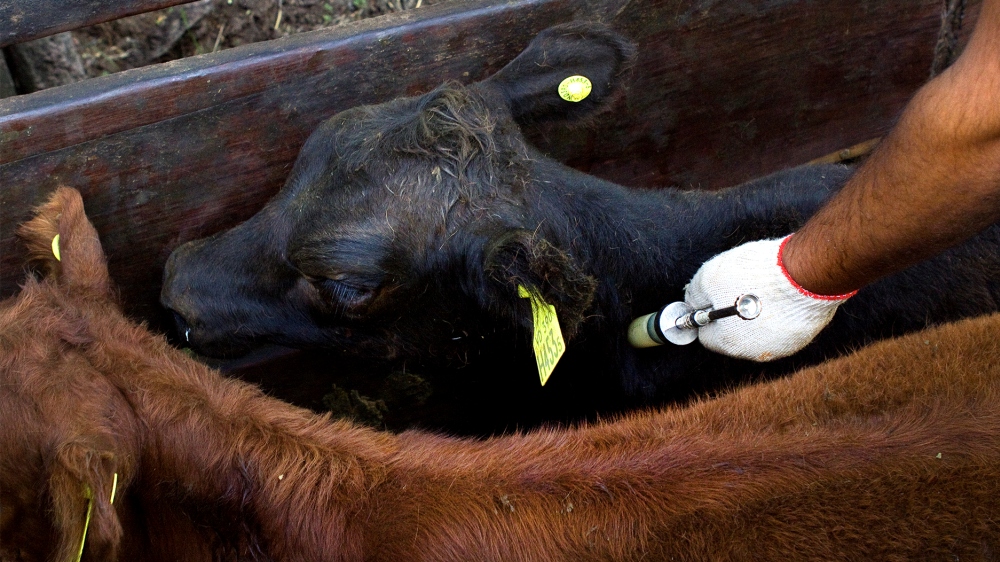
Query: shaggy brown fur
{"x": 890, "y": 454}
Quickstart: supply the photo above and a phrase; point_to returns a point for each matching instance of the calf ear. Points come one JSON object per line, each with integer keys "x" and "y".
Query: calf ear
{"x": 520, "y": 257}
{"x": 81, "y": 483}
{"x": 530, "y": 84}
{"x": 75, "y": 259}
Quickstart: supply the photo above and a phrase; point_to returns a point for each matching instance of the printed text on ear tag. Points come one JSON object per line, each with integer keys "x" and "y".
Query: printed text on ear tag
{"x": 575, "y": 88}
{"x": 547, "y": 339}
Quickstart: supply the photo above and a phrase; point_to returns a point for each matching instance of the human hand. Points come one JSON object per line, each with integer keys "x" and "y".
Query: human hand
{"x": 790, "y": 315}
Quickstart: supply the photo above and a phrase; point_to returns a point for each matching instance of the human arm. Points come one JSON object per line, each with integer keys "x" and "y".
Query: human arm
{"x": 933, "y": 182}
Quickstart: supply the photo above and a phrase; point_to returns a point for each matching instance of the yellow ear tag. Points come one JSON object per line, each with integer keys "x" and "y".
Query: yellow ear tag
{"x": 88, "y": 495}
{"x": 547, "y": 340}
{"x": 55, "y": 248}
{"x": 575, "y": 88}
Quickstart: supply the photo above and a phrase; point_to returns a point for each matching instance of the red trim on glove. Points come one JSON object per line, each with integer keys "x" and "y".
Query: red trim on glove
{"x": 802, "y": 289}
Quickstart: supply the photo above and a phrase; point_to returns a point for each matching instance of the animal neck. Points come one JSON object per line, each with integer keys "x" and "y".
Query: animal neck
{"x": 653, "y": 241}
{"x": 273, "y": 481}
{"x": 615, "y": 232}
{"x": 264, "y": 476}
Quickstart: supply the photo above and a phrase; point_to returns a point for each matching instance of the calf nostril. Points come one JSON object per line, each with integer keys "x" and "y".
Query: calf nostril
{"x": 183, "y": 328}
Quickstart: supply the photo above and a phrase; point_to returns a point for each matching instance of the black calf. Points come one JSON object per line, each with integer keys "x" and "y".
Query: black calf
{"x": 406, "y": 227}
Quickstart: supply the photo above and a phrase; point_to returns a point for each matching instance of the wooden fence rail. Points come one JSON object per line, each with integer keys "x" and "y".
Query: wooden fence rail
{"x": 24, "y": 20}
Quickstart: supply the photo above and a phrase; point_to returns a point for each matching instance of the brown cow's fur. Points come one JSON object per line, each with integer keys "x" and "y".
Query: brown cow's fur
{"x": 890, "y": 454}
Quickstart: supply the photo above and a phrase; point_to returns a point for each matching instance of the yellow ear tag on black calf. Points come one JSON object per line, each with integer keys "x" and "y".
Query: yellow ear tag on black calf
{"x": 547, "y": 339}
{"x": 575, "y": 88}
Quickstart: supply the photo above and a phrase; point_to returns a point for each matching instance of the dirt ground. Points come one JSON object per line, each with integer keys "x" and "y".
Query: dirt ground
{"x": 213, "y": 25}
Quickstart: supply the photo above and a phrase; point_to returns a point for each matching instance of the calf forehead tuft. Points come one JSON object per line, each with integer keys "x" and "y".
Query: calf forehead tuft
{"x": 452, "y": 131}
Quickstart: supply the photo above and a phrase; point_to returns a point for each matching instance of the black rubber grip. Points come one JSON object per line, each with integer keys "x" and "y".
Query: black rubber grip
{"x": 723, "y": 313}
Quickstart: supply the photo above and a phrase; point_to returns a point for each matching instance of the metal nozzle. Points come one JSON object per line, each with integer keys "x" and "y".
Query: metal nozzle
{"x": 678, "y": 321}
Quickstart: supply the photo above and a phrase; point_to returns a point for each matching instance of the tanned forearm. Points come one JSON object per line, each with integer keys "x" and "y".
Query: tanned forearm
{"x": 933, "y": 181}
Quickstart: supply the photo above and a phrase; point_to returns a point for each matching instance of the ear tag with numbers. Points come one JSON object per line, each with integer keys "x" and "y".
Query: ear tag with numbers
{"x": 547, "y": 339}
{"x": 575, "y": 88}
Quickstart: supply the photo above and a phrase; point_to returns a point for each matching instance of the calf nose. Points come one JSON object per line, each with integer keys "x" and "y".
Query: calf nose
{"x": 174, "y": 294}
{"x": 182, "y": 320}
{"x": 183, "y": 328}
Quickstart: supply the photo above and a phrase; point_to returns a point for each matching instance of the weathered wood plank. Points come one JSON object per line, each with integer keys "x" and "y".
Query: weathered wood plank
{"x": 722, "y": 92}
{"x": 24, "y": 20}
{"x": 727, "y": 91}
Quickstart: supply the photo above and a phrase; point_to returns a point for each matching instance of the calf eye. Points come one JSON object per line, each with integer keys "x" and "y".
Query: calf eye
{"x": 342, "y": 292}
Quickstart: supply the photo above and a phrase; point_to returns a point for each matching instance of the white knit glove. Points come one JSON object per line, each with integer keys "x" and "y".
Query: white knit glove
{"x": 790, "y": 316}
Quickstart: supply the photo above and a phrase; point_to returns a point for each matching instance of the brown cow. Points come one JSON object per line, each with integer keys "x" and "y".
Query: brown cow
{"x": 890, "y": 454}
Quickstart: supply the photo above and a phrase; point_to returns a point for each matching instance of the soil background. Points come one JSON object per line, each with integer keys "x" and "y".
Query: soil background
{"x": 212, "y": 25}
{"x": 200, "y": 27}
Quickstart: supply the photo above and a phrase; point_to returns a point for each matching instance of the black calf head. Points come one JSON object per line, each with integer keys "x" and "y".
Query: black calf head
{"x": 403, "y": 225}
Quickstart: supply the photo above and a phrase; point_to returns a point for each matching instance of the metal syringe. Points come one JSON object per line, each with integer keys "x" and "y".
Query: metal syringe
{"x": 678, "y": 322}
